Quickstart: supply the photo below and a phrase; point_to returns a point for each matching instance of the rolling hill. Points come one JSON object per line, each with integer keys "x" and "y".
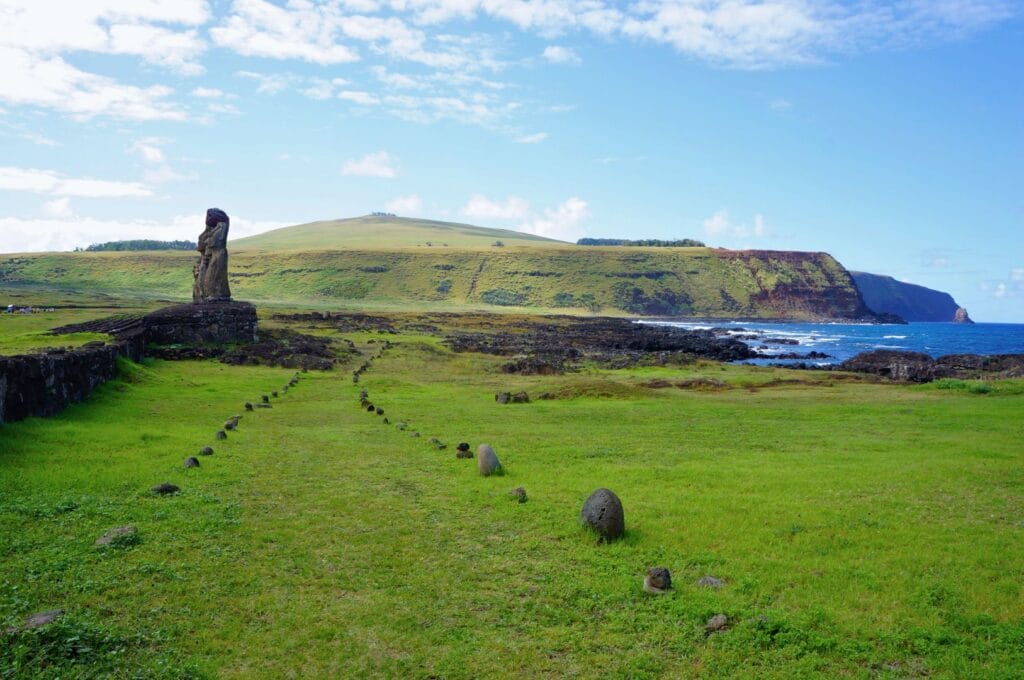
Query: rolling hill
{"x": 386, "y": 262}
{"x": 374, "y": 232}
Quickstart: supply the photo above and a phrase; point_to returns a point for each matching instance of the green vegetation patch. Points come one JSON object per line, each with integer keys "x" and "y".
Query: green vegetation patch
{"x": 858, "y": 529}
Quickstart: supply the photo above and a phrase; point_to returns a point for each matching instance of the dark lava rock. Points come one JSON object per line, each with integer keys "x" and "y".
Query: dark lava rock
{"x": 117, "y": 535}
{"x": 363, "y": 394}
{"x": 658, "y": 580}
{"x": 711, "y": 582}
{"x": 165, "y": 489}
{"x": 716, "y": 623}
{"x": 264, "y": 406}
{"x": 520, "y": 398}
{"x": 229, "y": 425}
{"x": 486, "y": 460}
{"x": 503, "y": 397}
{"x": 518, "y": 494}
{"x": 380, "y": 411}
{"x": 370, "y": 408}
{"x": 463, "y": 454}
{"x": 603, "y": 513}
{"x": 284, "y": 347}
{"x": 401, "y": 425}
{"x": 248, "y": 406}
{"x": 781, "y": 341}
{"x": 265, "y": 399}
{"x": 274, "y": 394}
{"x": 206, "y": 451}
{"x": 463, "y": 446}
{"x": 535, "y": 366}
{"x": 37, "y": 620}
{"x": 897, "y": 365}
{"x": 386, "y": 421}
{"x": 221, "y": 434}
{"x": 191, "y": 462}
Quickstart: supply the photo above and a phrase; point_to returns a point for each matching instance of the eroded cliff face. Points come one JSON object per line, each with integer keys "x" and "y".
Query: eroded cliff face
{"x": 884, "y": 294}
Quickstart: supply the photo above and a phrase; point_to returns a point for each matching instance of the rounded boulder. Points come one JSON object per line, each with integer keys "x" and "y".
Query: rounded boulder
{"x": 603, "y": 513}
{"x": 486, "y": 460}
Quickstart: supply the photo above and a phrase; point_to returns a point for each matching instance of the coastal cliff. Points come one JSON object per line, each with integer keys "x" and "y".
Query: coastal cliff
{"x": 884, "y": 294}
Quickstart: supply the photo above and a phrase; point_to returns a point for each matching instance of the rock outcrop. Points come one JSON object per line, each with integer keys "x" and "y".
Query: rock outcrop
{"x": 960, "y": 316}
{"x": 917, "y": 367}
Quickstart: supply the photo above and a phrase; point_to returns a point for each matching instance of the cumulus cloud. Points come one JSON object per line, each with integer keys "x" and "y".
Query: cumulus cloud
{"x": 58, "y": 208}
{"x": 563, "y": 222}
{"x": 69, "y": 232}
{"x": 109, "y": 27}
{"x": 149, "y": 149}
{"x": 50, "y": 182}
{"x": 720, "y": 225}
{"x": 50, "y": 82}
{"x": 379, "y": 164}
{"x": 558, "y": 54}
{"x": 482, "y": 208}
{"x": 301, "y": 31}
{"x": 405, "y": 205}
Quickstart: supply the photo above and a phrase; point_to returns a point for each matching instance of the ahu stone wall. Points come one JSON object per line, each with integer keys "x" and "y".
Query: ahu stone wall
{"x": 44, "y": 384}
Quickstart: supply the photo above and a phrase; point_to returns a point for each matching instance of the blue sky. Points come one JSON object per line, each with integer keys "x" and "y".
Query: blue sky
{"x": 888, "y": 134}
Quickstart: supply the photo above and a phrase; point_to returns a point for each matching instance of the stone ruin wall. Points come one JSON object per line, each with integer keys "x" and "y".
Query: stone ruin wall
{"x": 44, "y": 384}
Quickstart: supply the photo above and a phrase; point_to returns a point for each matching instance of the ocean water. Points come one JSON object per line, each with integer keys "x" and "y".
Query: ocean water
{"x": 842, "y": 341}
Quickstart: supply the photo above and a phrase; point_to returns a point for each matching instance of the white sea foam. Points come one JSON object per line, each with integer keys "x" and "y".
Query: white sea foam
{"x": 894, "y": 337}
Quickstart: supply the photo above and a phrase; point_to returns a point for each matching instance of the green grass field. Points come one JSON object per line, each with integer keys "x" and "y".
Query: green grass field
{"x": 862, "y": 530}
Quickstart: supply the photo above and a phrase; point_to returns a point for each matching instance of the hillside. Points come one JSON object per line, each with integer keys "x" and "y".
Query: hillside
{"x": 374, "y": 232}
{"x": 283, "y": 267}
{"x": 884, "y": 294}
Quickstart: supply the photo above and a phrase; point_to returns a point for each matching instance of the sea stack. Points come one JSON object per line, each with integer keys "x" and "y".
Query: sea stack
{"x": 960, "y": 316}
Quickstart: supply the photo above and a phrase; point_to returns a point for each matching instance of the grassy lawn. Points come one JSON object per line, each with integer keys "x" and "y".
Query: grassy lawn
{"x": 861, "y": 530}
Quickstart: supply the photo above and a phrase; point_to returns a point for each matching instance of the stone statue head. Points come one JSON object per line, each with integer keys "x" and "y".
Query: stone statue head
{"x": 215, "y": 216}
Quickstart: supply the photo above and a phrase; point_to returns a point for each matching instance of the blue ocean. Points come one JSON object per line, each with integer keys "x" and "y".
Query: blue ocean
{"x": 842, "y": 341}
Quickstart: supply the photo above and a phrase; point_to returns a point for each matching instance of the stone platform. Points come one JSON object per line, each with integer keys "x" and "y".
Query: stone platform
{"x": 204, "y": 323}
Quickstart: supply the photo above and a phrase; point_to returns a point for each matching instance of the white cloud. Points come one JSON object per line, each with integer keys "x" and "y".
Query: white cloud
{"x": 1017, "y": 274}
{"x": 405, "y": 205}
{"x": 50, "y": 82}
{"x": 359, "y": 97}
{"x": 149, "y": 149}
{"x": 209, "y": 93}
{"x": 268, "y": 83}
{"x": 398, "y": 81}
{"x": 67, "y": 233}
{"x": 482, "y": 208}
{"x": 558, "y": 54}
{"x": 1000, "y": 290}
{"x": 323, "y": 89}
{"x": 720, "y": 225}
{"x": 379, "y": 164}
{"x": 535, "y": 138}
{"x": 562, "y": 223}
{"x": 47, "y": 28}
{"x": 58, "y": 208}
{"x": 49, "y": 182}
{"x": 300, "y": 31}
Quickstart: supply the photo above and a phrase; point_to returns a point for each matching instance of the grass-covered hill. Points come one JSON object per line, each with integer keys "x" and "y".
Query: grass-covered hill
{"x": 376, "y": 232}
{"x": 387, "y": 263}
